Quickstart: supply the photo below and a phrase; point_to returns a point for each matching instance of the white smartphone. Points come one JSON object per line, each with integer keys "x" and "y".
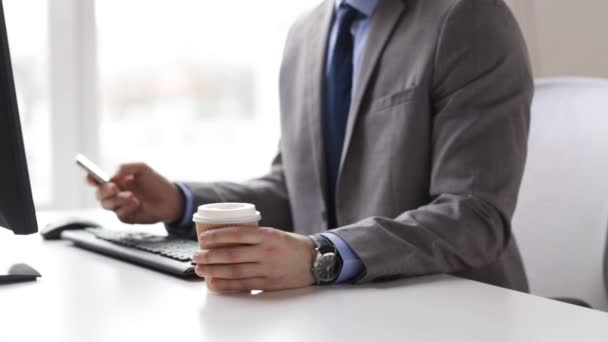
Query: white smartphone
{"x": 95, "y": 171}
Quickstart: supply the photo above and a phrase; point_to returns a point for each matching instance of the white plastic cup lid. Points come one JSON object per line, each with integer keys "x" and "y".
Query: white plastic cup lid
{"x": 220, "y": 213}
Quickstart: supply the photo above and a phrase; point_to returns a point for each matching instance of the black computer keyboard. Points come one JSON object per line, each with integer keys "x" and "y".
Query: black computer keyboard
{"x": 165, "y": 253}
{"x": 166, "y": 246}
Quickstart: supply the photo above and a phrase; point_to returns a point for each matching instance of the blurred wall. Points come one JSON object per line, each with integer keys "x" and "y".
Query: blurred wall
{"x": 565, "y": 37}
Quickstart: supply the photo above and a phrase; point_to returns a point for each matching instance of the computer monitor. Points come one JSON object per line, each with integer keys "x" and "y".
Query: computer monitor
{"x": 16, "y": 205}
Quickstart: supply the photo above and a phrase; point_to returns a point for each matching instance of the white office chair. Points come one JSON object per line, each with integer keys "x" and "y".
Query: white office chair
{"x": 562, "y": 215}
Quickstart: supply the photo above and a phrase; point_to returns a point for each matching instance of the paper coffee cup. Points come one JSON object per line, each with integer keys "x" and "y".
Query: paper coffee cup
{"x": 218, "y": 215}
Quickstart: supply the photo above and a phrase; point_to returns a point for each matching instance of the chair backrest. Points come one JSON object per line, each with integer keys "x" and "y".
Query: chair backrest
{"x": 562, "y": 214}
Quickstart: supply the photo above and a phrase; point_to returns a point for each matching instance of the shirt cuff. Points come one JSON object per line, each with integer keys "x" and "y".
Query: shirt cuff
{"x": 186, "y": 220}
{"x": 351, "y": 264}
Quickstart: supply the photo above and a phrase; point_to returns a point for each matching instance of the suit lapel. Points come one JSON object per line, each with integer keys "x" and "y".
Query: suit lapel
{"x": 316, "y": 52}
{"x": 383, "y": 22}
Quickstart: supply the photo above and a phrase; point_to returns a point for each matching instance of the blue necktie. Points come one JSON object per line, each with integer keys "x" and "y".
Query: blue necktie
{"x": 338, "y": 88}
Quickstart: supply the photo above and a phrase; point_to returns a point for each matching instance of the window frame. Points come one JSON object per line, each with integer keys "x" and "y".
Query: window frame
{"x": 73, "y": 93}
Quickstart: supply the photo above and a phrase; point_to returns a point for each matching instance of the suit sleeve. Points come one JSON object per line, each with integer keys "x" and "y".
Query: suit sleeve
{"x": 268, "y": 193}
{"x": 481, "y": 92}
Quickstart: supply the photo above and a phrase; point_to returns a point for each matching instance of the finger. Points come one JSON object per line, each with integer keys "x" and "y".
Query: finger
{"x": 198, "y": 271}
{"x": 218, "y": 284}
{"x": 128, "y": 212}
{"x": 110, "y": 203}
{"x": 232, "y": 271}
{"x": 127, "y": 182}
{"x": 121, "y": 199}
{"x": 127, "y": 198}
{"x": 228, "y": 255}
{"x": 243, "y": 235}
{"x": 106, "y": 191}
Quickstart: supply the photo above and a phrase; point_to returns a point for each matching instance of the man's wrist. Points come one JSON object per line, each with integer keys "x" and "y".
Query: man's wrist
{"x": 352, "y": 266}
{"x": 184, "y": 213}
{"x": 178, "y": 208}
{"x": 327, "y": 263}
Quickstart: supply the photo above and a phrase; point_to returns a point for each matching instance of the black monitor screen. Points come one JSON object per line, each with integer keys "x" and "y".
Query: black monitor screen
{"x": 16, "y": 206}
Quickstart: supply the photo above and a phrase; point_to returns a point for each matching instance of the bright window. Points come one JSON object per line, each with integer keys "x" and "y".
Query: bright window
{"x": 191, "y": 87}
{"x": 26, "y": 23}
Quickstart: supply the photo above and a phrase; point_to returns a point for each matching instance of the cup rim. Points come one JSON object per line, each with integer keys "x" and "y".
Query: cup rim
{"x": 243, "y": 219}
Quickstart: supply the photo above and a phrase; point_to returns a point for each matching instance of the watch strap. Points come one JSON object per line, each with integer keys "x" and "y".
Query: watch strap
{"x": 323, "y": 244}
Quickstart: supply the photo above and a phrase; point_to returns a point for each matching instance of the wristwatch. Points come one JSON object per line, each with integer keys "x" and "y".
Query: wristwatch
{"x": 327, "y": 263}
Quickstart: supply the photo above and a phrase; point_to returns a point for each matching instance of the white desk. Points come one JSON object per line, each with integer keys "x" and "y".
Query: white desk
{"x": 86, "y": 297}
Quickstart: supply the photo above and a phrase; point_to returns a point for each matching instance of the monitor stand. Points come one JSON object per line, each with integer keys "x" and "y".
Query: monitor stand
{"x": 19, "y": 273}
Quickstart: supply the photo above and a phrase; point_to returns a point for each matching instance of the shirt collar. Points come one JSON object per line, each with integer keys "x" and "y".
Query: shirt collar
{"x": 366, "y": 7}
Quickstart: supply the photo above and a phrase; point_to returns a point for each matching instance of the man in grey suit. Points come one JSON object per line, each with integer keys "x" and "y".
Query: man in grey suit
{"x": 404, "y": 130}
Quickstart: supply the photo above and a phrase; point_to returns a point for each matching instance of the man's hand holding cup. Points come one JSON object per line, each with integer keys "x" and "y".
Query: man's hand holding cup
{"x": 237, "y": 255}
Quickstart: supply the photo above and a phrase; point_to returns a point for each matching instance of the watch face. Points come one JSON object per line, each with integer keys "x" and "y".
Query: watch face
{"x": 325, "y": 268}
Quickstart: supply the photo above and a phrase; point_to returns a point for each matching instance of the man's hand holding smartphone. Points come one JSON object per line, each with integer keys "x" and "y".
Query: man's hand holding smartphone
{"x": 138, "y": 194}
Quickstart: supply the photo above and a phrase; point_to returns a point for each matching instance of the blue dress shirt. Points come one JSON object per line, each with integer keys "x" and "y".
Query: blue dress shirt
{"x": 352, "y": 265}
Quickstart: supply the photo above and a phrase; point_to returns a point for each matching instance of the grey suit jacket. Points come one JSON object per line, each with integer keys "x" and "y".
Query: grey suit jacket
{"x": 435, "y": 144}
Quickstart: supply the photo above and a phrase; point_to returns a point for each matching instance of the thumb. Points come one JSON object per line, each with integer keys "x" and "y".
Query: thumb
{"x": 131, "y": 170}
{"x": 125, "y": 183}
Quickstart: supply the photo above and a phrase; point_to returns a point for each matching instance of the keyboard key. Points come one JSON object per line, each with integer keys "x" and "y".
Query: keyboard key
{"x": 170, "y": 247}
